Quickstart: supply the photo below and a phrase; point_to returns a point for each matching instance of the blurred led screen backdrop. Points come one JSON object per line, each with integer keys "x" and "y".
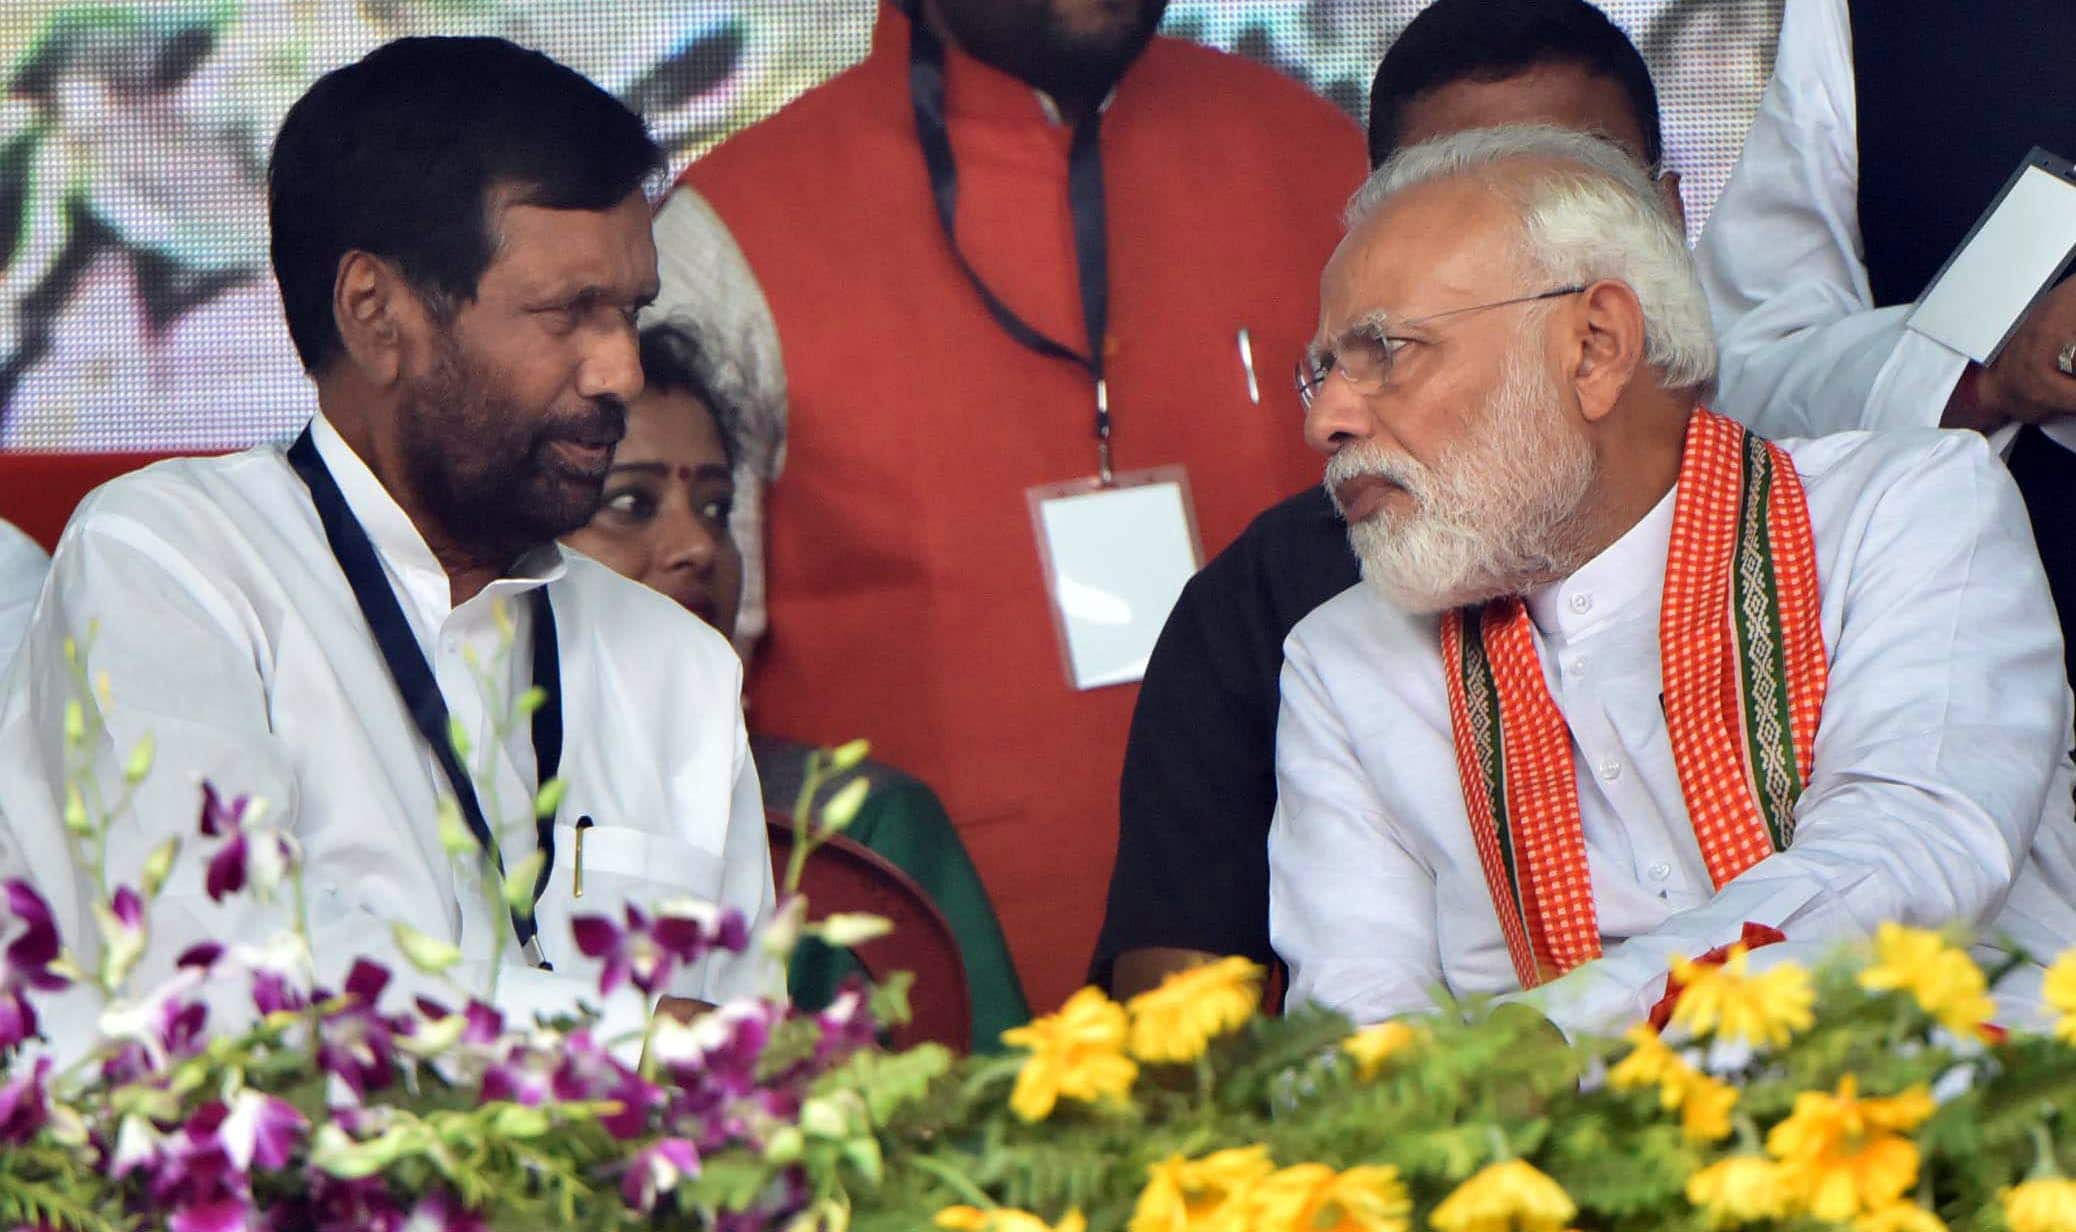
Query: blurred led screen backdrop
{"x": 136, "y": 309}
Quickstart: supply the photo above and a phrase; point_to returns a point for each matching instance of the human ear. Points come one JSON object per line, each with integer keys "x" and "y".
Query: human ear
{"x": 377, "y": 314}
{"x": 1610, "y": 342}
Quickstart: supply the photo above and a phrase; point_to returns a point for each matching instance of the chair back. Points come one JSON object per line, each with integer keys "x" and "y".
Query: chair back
{"x": 845, "y": 875}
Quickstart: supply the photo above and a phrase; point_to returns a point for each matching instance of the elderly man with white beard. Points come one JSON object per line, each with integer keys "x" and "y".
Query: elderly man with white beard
{"x": 1623, "y": 679}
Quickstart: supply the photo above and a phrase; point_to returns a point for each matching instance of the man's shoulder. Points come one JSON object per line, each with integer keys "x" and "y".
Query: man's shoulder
{"x": 642, "y": 626}
{"x": 1863, "y": 466}
{"x": 178, "y": 497}
{"x": 1361, "y": 624}
{"x": 1235, "y": 82}
{"x": 807, "y": 122}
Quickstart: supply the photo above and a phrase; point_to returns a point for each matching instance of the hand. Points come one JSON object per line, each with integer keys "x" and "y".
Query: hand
{"x": 2025, "y": 385}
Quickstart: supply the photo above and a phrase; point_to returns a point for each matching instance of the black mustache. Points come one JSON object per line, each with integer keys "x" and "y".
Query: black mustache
{"x": 606, "y": 425}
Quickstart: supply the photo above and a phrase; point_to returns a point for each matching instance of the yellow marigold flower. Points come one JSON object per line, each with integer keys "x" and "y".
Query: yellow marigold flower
{"x": 1005, "y": 1219}
{"x": 1189, "y": 1196}
{"x": 1740, "y": 1189}
{"x": 2044, "y": 1205}
{"x": 1372, "y": 1046}
{"x": 1705, "y": 1106}
{"x": 1649, "y": 1063}
{"x": 1899, "y": 1217}
{"x": 1942, "y": 978}
{"x": 1759, "y": 1009}
{"x": 1077, "y": 1053}
{"x": 1509, "y": 1196}
{"x": 1315, "y": 1198}
{"x": 1843, "y": 1155}
{"x": 1179, "y": 1019}
{"x": 2059, "y": 989}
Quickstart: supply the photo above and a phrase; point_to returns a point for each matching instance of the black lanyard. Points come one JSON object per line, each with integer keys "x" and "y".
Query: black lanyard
{"x": 414, "y": 676}
{"x": 1084, "y": 202}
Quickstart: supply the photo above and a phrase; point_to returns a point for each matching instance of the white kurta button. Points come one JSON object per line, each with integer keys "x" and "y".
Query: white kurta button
{"x": 1577, "y": 666}
{"x": 1659, "y": 871}
{"x": 1582, "y": 602}
{"x": 1610, "y": 769}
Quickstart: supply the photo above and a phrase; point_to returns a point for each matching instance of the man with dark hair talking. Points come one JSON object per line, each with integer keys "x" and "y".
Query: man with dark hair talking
{"x": 1199, "y": 786}
{"x": 461, "y": 237}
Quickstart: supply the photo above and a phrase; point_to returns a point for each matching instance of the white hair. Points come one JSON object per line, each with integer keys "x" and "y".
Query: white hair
{"x": 1587, "y": 213}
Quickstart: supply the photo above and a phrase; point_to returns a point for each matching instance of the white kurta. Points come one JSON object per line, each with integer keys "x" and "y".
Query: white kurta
{"x": 22, "y": 566}
{"x": 1804, "y": 349}
{"x": 1941, "y": 790}
{"x": 230, "y": 635}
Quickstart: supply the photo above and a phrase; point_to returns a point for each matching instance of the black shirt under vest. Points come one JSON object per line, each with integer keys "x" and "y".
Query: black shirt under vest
{"x": 1950, "y": 98}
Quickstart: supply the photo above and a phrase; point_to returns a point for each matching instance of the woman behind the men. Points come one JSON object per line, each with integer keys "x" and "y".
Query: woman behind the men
{"x": 663, "y": 521}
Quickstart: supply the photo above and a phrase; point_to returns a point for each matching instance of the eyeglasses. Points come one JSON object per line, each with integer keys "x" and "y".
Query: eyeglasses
{"x": 1364, "y": 354}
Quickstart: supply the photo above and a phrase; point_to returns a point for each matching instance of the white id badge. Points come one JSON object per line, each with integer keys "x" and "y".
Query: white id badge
{"x": 1115, "y": 561}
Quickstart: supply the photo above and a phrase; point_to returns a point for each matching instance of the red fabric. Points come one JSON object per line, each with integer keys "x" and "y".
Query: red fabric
{"x": 38, "y": 491}
{"x": 905, "y": 594}
{"x": 1753, "y": 937}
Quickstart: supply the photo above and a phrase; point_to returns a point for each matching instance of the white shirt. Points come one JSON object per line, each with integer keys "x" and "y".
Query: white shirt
{"x": 229, "y": 634}
{"x": 22, "y": 566}
{"x": 1941, "y": 790}
{"x": 1804, "y": 349}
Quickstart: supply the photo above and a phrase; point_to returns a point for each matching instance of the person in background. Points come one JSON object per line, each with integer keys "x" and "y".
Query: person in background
{"x": 933, "y": 376}
{"x": 461, "y": 235}
{"x": 22, "y": 566}
{"x": 1506, "y": 760}
{"x": 664, "y": 521}
{"x": 1840, "y": 212}
{"x": 1191, "y": 877}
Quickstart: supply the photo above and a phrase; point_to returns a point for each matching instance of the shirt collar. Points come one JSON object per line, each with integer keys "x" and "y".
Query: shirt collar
{"x": 1630, "y": 569}
{"x": 396, "y": 539}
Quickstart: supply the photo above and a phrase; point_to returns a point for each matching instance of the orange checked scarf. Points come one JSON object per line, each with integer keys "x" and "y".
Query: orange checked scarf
{"x": 1744, "y": 674}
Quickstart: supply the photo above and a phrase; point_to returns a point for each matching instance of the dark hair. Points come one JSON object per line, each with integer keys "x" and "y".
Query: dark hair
{"x": 673, "y": 362}
{"x": 408, "y": 153}
{"x": 1492, "y": 40}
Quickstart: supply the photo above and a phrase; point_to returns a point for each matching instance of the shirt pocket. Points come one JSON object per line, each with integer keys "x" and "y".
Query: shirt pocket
{"x": 619, "y": 865}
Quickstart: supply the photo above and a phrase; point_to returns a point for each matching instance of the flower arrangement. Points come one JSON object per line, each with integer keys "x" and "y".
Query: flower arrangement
{"x": 239, "y": 1094}
{"x": 1869, "y": 1095}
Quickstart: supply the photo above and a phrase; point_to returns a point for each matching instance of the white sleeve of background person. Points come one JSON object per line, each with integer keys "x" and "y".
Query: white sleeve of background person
{"x": 1804, "y": 350}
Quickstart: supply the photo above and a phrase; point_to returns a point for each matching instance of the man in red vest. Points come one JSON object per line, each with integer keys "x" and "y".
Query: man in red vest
{"x": 919, "y": 251}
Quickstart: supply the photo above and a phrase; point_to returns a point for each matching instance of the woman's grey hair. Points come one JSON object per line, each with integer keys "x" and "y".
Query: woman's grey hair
{"x": 1587, "y": 213}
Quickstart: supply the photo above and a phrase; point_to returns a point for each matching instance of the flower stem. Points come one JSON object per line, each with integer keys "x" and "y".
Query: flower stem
{"x": 959, "y": 1181}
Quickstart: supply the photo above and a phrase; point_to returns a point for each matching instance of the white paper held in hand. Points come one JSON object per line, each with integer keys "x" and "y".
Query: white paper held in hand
{"x": 2020, "y": 245}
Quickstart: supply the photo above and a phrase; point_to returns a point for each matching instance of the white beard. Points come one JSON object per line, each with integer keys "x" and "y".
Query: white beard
{"x": 1494, "y": 515}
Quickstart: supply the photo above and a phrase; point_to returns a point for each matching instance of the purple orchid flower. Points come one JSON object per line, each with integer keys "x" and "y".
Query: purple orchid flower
{"x": 156, "y": 1030}
{"x": 24, "y": 1105}
{"x": 355, "y": 1042}
{"x": 522, "y": 1071}
{"x": 847, "y": 1024}
{"x": 197, "y": 1180}
{"x": 251, "y": 853}
{"x": 485, "y": 1025}
{"x": 647, "y": 951}
{"x": 27, "y": 964}
{"x": 656, "y": 1169}
{"x": 333, "y": 1204}
{"x": 589, "y": 1072}
{"x": 262, "y": 1129}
